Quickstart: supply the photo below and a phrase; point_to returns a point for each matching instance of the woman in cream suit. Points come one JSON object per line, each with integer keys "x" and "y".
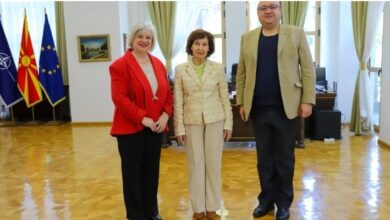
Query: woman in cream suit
{"x": 203, "y": 120}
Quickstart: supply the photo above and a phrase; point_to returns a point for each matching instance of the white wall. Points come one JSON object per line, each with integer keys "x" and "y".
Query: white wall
{"x": 384, "y": 134}
{"x": 235, "y": 26}
{"x": 338, "y": 53}
{"x": 130, "y": 14}
{"x": 89, "y": 83}
{"x": 330, "y": 21}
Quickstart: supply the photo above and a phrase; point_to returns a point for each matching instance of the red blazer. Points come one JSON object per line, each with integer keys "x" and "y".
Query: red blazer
{"x": 132, "y": 94}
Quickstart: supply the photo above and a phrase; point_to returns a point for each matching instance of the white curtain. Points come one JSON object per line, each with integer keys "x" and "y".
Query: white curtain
{"x": 12, "y": 15}
{"x": 375, "y": 8}
{"x": 187, "y": 14}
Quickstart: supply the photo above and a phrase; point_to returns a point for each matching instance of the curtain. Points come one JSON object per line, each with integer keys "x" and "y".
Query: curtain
{"x": 294, "y": 12}
{"x": 189, "y": 13}
{"x": 163, "y": 17}
{"x": 365, "y": 24}
{"x": 12, "y": 13}
{"x": 61, "y": 41}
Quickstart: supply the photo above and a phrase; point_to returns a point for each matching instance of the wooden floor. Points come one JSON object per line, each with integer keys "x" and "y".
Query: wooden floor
{"x": 73, "y": 172}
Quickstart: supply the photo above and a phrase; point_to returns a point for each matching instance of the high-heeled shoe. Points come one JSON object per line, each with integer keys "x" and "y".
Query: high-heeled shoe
{"x": 199, "y": 216}
{"x": 211, "y": 215}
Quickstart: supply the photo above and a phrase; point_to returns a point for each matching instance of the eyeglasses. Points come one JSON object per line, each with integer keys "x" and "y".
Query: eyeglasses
{"x": 264, "y": 8}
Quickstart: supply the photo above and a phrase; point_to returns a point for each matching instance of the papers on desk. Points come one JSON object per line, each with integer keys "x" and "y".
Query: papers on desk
{"x": 320, "y": 88}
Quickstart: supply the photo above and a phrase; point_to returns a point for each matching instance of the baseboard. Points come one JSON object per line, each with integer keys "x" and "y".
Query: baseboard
{"x": 382, "y": 143}
{"x": 91, "y": 123}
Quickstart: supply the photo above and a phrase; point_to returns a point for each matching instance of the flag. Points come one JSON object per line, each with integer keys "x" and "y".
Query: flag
{"x": 28, "y": 81}
{"x": 8, "y": 88}
{"x": 50, "y": 73}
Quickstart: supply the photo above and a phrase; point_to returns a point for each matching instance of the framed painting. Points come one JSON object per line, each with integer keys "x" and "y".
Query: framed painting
{"x": 94, "y": 48}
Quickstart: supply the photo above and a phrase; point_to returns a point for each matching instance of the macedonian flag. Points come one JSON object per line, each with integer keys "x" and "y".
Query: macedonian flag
{"x": 27, "y": 77}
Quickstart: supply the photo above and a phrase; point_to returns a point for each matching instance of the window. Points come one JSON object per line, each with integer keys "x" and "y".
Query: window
{"x": 311, "y": 26}
{"x": 209, "y": 19}
{"x": 374, "y": 67}
{"x": 312, "y": 29}
{"x": 206, "y": 15}
{"x": 253, "y": 18}
{"x": 12, "y": 15}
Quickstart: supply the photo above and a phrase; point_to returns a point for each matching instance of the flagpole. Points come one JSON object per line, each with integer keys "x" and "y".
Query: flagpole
{"x": 54, "y": 113}
{"x": 12, "y": 115}
{"x": 33, "y": 114}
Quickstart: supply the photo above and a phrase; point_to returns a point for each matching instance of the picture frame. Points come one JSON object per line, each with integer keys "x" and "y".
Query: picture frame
{"x": 94, "y": 48}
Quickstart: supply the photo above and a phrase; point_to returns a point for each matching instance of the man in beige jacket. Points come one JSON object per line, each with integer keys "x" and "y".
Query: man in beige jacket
{"x": 275, "y": 84}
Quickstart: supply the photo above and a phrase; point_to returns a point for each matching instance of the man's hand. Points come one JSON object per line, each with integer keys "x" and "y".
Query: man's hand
{"x": 242, "y": 112}
{"x": 305, "y": 110}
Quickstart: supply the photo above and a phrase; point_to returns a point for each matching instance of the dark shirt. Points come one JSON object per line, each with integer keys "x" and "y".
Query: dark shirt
{"x": 267, "y": 86}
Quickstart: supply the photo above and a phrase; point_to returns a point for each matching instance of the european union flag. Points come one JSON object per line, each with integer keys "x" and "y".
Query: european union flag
{"x": 9, "y": 91}
{"x": 50, "y": 73}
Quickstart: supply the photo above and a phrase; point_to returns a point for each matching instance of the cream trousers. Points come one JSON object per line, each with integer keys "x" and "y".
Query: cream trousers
{"x": 203, "y": 147}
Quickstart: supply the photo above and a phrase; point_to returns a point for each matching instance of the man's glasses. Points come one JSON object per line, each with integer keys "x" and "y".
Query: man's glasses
{"x": 264, "y": 8}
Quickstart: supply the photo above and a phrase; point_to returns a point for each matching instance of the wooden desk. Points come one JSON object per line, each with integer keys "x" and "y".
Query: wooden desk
{"x": 243, "y": 131}
{"x": 324, "y": 101}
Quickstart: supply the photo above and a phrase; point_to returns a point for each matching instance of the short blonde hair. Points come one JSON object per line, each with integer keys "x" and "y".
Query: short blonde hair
{"x": 142, "y": 28}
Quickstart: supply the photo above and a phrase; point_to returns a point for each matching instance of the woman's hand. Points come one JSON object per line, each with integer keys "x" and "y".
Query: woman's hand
{"x": 161, "y": 123}
{"x": 181, "y": 139}
{"x": 227, "y": 134}
{"x": 148, "y": 122}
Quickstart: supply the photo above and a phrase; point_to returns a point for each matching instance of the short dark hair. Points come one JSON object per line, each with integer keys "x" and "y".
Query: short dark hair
{"x": 200, "y": 34}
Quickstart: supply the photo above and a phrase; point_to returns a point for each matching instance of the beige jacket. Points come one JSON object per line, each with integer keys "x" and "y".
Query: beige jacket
{"x": 295, "y": 65}
{"x": 204, "y": 100}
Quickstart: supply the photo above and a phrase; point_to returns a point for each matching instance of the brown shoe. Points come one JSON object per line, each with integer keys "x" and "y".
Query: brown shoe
{"x": 211, "y": 215}
{"x": 199, "y": 216}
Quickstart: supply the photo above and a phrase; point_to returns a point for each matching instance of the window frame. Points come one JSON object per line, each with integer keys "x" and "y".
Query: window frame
{"x": 316, "y": 33}
{"x": 376, "y": 70}
{"x": 221, "y": 36}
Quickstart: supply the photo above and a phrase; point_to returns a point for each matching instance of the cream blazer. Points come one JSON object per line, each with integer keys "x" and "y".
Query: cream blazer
{"x": 201, "y": 100}
{"x": 295, "y": 66}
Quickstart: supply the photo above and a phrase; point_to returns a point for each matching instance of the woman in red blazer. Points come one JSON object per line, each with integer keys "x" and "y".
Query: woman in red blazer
{"x": 143, "y": 105}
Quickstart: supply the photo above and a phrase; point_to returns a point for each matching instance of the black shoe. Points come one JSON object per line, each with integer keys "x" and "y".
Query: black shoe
{"x": 262, "y": 209}
{"x": 282, "y": 213}
{"x": 157, "y": 217}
